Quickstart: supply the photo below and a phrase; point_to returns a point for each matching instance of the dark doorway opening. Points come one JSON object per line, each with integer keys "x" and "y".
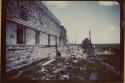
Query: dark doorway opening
{"x": 21, "y": 34}
{"x": 37, "y": 38}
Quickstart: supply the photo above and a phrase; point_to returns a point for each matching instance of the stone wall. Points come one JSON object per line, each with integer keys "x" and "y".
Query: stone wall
{"x": 33, "y": 15}
{"x": 19, "y": 56}
{"x": 30, "y": 36}
{"x": 52, "y": 40}
{"x": 43, "y": 39}
{"x": 10, "y": 33}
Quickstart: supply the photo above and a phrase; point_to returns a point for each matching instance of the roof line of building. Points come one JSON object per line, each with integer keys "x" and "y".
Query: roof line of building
{"x": 48, "y": 12}
{"x": 28, "y": 25}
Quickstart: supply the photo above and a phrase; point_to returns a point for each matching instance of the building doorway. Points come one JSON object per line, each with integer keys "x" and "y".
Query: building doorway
{"x": 21, "y": 34}
{"x": 37, "y": 38}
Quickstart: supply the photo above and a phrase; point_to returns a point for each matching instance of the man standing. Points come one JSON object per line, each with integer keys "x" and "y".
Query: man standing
{"x": 58, "y": 54}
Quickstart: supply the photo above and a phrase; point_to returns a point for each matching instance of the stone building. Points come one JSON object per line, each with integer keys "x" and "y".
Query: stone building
{"x": 32, "y": 32}
{"x": 31, "y": 23}
{"x": 63, "y": 39}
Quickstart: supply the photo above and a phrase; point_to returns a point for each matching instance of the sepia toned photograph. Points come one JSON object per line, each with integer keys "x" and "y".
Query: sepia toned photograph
{"x": 63, "y": 40}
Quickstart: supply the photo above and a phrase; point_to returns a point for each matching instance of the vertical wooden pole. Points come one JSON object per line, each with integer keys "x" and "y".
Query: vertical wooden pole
{"x": 90, "y": 35}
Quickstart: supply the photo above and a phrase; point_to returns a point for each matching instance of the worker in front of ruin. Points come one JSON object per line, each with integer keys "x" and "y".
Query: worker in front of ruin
{"x": 58, "y": 54}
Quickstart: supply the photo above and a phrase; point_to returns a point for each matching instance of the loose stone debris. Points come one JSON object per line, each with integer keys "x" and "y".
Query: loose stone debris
{"x": 71, "y": 65}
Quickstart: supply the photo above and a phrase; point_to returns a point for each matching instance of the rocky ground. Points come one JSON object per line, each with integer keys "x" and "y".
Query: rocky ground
{"x": 71, "y": 66}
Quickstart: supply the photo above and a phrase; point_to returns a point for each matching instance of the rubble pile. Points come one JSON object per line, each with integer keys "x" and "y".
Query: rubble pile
{"x": 58, "y": 69}
{"x": 72, "y": 65}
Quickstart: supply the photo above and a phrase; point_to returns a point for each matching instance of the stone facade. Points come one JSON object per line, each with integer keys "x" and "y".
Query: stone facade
{"x": 33, "y": 17}
{"x": 30, "y": 28}
{"x": 63, "y": 39}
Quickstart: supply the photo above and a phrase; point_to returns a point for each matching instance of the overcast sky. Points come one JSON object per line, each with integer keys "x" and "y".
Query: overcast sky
{"x": 78, "y": 17}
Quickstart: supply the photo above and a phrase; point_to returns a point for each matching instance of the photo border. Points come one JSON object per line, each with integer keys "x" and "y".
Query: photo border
{"x": 3, "y": 50}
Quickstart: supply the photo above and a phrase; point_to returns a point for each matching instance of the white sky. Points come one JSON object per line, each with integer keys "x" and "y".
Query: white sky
{"x": 78, "y": 17}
